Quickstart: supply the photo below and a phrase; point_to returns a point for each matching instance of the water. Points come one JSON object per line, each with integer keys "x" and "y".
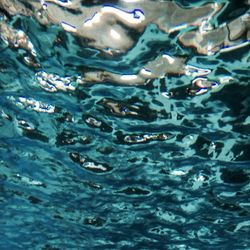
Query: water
{"x": 124, "y": 125}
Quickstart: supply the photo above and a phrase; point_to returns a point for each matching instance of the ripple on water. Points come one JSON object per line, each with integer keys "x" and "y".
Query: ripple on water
{"x": 124, "y": 124}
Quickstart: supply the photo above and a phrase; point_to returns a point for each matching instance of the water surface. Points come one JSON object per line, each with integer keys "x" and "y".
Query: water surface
{"x": 124, "y": 124}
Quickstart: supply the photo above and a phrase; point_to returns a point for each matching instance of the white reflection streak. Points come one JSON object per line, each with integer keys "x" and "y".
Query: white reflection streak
{"x": 61, "y": 3}
{"x": 128, "y": 77}
{"x": 178, "y": 27}
{"x": 115, "y": 34}
{"x": 68, "y": 27}
{"x": 134, "y": 17}
{"x": 95, "y": 19}
{"x": 36, "y": 105}
{"x": 195, "y": 71}
{"x": 169, "y": 58}
{"x": 145, "y": 72}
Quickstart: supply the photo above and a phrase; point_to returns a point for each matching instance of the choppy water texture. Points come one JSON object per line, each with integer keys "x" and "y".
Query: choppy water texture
{"x": 124, "y": 124}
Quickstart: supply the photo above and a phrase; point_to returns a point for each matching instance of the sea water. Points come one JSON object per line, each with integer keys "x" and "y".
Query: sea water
{"x": 124, "y": 125}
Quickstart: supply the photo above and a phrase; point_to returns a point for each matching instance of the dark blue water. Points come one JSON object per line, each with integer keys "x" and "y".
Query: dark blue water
{"x": 110, "y": 139}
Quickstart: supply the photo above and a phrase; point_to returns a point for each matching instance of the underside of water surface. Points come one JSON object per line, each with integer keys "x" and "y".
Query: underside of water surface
{"x": 124, "y": 124}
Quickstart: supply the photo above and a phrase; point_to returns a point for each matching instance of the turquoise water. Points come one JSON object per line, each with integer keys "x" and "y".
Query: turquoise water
{"x": 121, "y": 159}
